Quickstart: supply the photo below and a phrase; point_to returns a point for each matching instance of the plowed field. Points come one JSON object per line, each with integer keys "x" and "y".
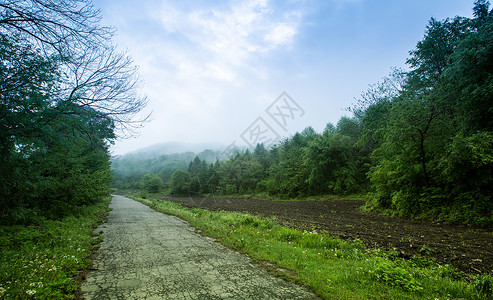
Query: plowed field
{"x": 469, "y": 249}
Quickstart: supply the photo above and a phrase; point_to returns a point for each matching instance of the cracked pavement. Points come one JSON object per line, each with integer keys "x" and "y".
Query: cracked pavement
{"x": 149, "y": 255}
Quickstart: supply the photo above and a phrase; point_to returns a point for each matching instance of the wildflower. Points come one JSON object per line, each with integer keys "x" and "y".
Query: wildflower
{"x": 2, "y": 291}
{"x": 31, "y": 292}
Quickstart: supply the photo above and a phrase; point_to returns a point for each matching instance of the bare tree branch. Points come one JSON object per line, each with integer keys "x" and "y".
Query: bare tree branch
{"x": 62, "y": 25}
{"x": 107, "y": 80}
{"x": 96, "y": 75}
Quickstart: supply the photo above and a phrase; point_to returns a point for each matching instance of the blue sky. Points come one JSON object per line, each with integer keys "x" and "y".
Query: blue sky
{"x": 212, "y": 68}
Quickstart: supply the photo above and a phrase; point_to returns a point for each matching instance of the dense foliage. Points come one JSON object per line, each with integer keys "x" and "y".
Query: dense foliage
{"x": 63, "y": 93}
{"x": 305, "y": 164}
{"x": 435, "y": 153}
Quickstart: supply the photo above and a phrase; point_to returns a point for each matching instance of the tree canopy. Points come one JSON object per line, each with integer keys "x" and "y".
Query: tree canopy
{"x": 65, "y": 95}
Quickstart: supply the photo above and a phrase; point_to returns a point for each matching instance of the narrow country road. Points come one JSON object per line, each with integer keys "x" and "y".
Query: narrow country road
{"x": 149, "y": 255}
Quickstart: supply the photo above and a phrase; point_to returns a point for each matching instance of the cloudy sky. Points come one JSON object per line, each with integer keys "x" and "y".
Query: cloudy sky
{"x": 216, "y": 71}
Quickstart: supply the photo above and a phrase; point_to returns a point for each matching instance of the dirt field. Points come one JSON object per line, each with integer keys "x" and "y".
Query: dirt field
{"x": 471, "y": 250}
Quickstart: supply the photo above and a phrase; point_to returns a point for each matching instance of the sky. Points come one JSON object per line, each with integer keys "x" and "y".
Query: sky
{"x": 242, "y": 72}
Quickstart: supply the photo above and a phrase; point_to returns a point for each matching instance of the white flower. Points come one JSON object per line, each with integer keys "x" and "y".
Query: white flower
{"x": 31, "y": 292}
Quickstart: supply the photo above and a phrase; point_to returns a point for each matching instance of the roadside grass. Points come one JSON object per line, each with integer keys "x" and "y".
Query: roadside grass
{"x": 43, "y": 261}
{"x": 331, "y": 267}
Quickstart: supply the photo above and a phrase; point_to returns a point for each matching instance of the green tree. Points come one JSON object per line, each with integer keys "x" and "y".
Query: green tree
{"x": 331, "y": 159}
{"x": 151, "y": 183}
{"x": 26, "y": 82}
{"x": 480, "y": 11}
{"x": 407, "y": 158}
{"x": 467, "y": 177}
{"x": 63, "y": 92}
{"x": 261, "y": 155}
{"x": 240, "y": 174}
{"x": 288, "y": 176}
{"x": 197, "y": 175}
{"x": 432, "y": 54}
{"x": 210, "y": 177}
{"x": 46, "y": 144}
{"x": 180, "y": 182}
{"x": 466, "y": 90}
{"x": 431, "y": 156}
{"x": 349, "y": 127}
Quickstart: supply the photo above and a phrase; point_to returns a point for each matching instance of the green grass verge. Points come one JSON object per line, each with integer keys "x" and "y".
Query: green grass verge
{"x": 331, "y": 267}
{"x": 43, "y": 261}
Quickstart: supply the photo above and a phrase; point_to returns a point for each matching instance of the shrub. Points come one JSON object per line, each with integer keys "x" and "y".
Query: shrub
{"x": 395, "y": 276}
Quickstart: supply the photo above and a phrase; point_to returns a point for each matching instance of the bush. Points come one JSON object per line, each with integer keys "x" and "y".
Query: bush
{"x": 151, "y": 183}
{"x": 395, "y": 276}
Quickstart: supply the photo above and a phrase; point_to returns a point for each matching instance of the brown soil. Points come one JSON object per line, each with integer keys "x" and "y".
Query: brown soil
{"x": 469, "y": 249}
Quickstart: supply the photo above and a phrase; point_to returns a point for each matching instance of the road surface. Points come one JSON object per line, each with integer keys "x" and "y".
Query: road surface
{"x": 149, "y": 255}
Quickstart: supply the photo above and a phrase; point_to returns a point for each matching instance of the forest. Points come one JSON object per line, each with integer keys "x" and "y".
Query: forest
{"x": 66, "y": 93}
{"x": 418, "y": 143}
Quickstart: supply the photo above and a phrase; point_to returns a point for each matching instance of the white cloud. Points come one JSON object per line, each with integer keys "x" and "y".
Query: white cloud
{"x": 227, "y": 36}
{"x": 206, "y": 65}
{"x": 212, "y": 67}
{"x": 281, "y": 34}
{"x": 219, "y": 72}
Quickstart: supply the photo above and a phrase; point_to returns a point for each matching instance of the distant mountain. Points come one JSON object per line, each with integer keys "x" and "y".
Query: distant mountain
{"x": 174, "y": 148}
{"x": 163, "y": 159}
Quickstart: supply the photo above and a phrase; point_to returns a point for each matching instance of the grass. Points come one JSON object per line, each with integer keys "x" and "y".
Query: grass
{"x": 331, "y": 267}
{"x": 43, "y": 261}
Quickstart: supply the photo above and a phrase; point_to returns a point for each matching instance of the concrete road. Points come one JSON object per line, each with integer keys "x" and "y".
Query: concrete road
{"x": 149, "y": 255}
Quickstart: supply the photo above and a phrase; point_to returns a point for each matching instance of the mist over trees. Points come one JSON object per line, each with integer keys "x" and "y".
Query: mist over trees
{"x": 65, "y": 95}
{"x": 129, "y": 170}
{"x": 419, "y": 143}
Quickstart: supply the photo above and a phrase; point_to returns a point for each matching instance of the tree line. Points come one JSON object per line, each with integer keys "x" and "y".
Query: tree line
{"x": 420, "y": 142}
{"x": 65, "y": 95}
